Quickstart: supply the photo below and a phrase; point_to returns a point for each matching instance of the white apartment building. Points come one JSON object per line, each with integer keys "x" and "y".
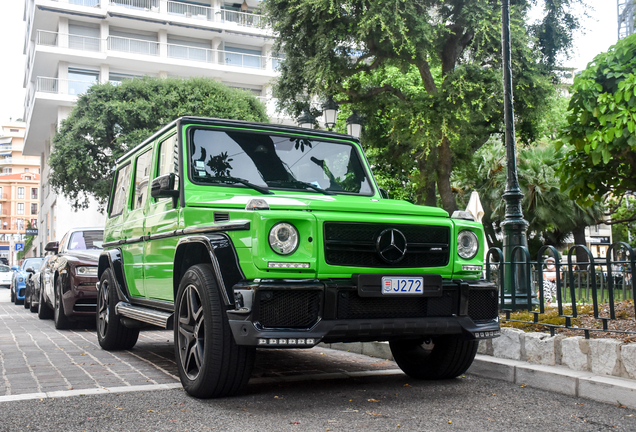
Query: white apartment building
{"x": 71, "y": 44}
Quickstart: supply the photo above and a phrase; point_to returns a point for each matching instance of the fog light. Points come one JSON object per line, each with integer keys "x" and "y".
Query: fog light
{"x": 262, "y": 341}
{"x": 292, "y": 342}
{"x": 273, "y": 341}
{"x": 282, "y": 341}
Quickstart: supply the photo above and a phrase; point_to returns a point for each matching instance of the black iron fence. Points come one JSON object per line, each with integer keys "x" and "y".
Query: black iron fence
{"x": 555, "y": 282}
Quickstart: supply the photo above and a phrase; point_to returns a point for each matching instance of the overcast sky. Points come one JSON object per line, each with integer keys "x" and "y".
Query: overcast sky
{"x": 600, "y": 35}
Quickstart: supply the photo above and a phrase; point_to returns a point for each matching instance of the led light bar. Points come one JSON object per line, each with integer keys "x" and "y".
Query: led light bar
{"x": 471, "y": 268}
{"x": 287, "y": 265}
{"x": 488, "y": 334}
{"x": 287, "y": 342}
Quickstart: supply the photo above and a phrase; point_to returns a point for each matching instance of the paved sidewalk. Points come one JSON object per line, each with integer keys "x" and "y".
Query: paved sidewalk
{"x": 38, "y": 361}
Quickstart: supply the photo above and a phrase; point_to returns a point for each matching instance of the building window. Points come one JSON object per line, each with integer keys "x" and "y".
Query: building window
{"x": 20, "y": 193}
{"x": 6, "y": 170}
{"x": 14, "y": 130}
{"x": 27, "y": 177}
{"x": 34, "y": 193}
{"x": 34, "y": 209}
{"x": 26, "y": 170}
{"x": 20, "y": 208}
{"x": 79, "y": 80}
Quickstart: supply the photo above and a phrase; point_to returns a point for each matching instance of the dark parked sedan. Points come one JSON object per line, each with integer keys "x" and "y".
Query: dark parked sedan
{"x": 34, "y": 283}
{"x": 69, "y": 293}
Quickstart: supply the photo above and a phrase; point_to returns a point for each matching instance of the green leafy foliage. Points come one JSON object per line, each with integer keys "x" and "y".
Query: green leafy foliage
{"x": 110, "y": 119}
{"x": 426, "y": 74}
{"x": 601, "y": 137}
{"x": 551, "y": 214}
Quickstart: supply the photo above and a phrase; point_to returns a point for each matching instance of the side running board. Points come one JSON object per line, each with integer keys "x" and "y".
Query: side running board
{"x": 144, "y": 314}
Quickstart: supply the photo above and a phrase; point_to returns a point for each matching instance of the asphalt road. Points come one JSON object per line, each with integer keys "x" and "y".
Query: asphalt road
{"x": 302, "y": 390}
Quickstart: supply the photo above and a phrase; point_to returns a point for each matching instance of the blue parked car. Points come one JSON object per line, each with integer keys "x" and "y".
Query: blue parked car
{"x": 18, "y": 284}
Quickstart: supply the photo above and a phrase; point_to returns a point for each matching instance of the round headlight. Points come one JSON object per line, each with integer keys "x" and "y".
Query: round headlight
{"x": 283, "y": 238}
{"x": 467, "y": 244}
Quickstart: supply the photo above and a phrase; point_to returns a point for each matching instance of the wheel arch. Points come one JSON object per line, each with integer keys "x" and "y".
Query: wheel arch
{"x": 113, "y": 259}
{"x": 215, "y": 249}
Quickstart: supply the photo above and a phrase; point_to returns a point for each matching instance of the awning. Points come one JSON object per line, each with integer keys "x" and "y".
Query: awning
{"x": 5, "y": 140}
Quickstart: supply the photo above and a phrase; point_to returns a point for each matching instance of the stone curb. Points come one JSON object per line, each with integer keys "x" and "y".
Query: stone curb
{"x": 559, "y": 379}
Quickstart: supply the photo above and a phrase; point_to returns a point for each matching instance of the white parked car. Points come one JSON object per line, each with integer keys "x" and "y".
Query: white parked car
{"x": 5, "y": 276}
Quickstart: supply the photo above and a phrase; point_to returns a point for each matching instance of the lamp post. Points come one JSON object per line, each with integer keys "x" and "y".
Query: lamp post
{"x": 330, "y": 112}
{"x": 306, "y": 120}
{"x": 514, "y": 225}
{"x": 354, "y": 124}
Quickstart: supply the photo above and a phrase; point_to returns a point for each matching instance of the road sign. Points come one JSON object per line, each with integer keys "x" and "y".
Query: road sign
{"x": 31, "y": 231}
{"x": 19, "y": 246}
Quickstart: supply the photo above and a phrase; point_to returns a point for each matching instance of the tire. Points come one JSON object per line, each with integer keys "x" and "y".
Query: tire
{"x": 111, "y": 333}
{"x": 27, "y": 298}
{"x": 59, "y": 317}
{"x": 12, "y": 296}
{"x": 209, "y": 361}
{"x": 441, "y": 358}
{"x": 32, "y": 307}
{"x": 44, "y": 311}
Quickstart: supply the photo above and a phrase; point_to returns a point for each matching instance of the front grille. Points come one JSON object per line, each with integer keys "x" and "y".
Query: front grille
{"x": 352, "y": 306}
{"x": 288, "y": 308}
{"x": 354, "y": 244}
{"x": 482, "y": 305}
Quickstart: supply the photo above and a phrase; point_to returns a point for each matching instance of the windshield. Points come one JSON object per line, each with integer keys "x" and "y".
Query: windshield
{"x": 4, "y": 269}
{"x": 32, "y": 262}
{"x": 82, "y": 240}
{"x": 275, "y": 161}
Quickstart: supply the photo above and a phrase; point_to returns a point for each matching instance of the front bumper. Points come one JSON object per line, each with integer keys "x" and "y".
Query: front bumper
{"x": 294, "y": 314}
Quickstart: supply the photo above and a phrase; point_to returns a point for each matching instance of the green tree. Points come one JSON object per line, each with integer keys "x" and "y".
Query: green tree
{"x": 551, "y": 214}
{"x": 600, "y": 140}
{"x": 27, "y": 244}
{"x": 110, "y": 119}
{"x": 426, "y": 73}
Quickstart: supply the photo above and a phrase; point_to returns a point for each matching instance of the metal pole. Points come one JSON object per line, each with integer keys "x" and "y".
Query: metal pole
{"x": 514, "y": 225}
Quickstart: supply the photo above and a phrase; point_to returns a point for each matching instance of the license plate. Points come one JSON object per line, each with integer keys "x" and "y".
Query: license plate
{"x": 402, "y": 285}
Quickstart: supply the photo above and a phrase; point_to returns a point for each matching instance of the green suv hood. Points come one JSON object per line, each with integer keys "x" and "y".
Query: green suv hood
{"x": 336, "y": 203}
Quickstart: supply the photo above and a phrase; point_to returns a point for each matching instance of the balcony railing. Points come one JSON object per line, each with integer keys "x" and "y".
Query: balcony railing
{"x": 147, "y": 5}
{"x": 62, "y": 86}
{"x": 89, "y": 3}
{"x": 84, "y": 43}
{"x": 217, "y": 56}
{"x": 137, "y": 46}
{"x": 191, "y": 11}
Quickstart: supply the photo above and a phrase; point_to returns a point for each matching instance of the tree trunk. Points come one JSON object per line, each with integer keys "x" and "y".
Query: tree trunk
{"x": 444, "y": 169}
{"x": 579, "y": 239}
{"x": 425, "y": 192}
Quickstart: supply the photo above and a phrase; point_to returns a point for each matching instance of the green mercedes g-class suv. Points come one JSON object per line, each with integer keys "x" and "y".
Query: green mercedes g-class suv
{"x": 245, "y": 235}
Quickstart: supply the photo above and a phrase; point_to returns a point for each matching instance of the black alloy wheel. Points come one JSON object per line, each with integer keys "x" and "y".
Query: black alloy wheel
{"x": 59, "y": 317}
{"x": 112, "y": 334}
{"x": 209, "y": 361}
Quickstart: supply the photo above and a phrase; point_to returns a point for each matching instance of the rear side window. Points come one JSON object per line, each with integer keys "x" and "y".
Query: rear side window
{"x": 142, "y": 174}
{"x": 122, "y": 183}
{"x": 168, "y": 156}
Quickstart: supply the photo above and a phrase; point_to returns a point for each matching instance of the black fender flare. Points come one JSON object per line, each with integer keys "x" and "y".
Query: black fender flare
{"x": 216, "y": 249}
{"x": 113, "y": 259}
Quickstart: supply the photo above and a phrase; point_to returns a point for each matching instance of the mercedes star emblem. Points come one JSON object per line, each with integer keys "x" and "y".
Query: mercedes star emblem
{"x": 391, "y": 245}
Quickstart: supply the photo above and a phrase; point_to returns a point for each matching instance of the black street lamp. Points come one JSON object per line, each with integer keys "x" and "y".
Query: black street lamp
{"x": 306, "y": 120}
{"x": 330, "y": 112}
{"x": 354, "y": 124}
{"x": 514, "y": 225}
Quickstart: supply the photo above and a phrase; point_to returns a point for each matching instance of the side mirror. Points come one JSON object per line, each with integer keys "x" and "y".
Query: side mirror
{"x": 163, "y": 187}
{"x": 30, "y": 270}
{"x": 14, "y": 268}
{"x": 384, "y": 193}
{"x": 52, "y": 246}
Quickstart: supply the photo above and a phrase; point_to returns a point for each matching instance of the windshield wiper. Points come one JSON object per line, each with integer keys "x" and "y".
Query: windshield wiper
{"x": 304, "y": 184}
{"x": 258, "y": 188}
